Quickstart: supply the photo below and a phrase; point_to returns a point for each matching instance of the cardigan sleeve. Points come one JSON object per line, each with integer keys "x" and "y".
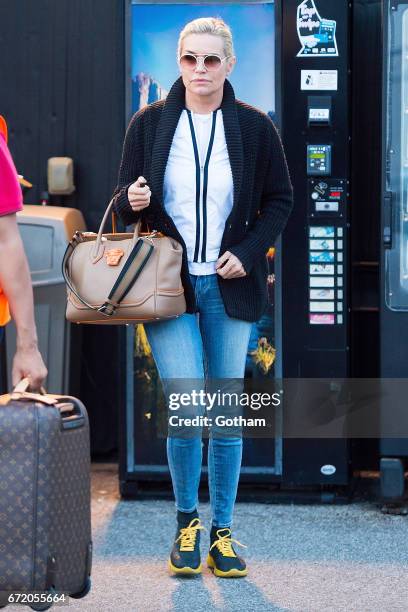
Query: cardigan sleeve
{"x": 131, "y": 166}
{"x": 275, "y": 208}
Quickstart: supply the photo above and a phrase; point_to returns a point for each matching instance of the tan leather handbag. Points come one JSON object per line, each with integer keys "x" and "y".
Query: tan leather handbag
{"x": 120, "y": 278}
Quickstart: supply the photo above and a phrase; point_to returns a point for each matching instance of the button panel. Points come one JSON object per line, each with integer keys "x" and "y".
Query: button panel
{"x": 326, "y": 197}
{"x": 326, "y": 296}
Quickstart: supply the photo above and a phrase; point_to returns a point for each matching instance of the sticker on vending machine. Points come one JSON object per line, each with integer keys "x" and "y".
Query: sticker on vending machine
{"x": 321, "y": 319}
{"x": 326, "y": 245}
{"x": 321, "y": 306}
{"x": 318, "y": 80}
{"x": 321, "y": 281}
{"x": 316, "y": 34}
{"x": 322, "y": 294}
{"x": 321, "y": 256}
{"x": 321, "y": 231}
{"x": 321, "y": 269}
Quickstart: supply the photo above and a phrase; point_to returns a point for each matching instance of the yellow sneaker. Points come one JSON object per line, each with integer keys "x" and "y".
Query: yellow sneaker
{"x": 222, "y": 558}
{"x": 185, "y": 554}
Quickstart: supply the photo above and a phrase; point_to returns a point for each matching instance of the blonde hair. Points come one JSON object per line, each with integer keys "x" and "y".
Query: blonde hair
{"x": 208, "y": 25}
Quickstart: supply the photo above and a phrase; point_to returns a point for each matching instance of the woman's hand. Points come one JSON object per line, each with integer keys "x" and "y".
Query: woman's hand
{"x": 229, "y": 266}
{"x": 139, "y": 197}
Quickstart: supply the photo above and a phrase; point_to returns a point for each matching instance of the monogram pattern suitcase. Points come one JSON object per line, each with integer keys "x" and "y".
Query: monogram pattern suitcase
{"x": 45, "y": 512}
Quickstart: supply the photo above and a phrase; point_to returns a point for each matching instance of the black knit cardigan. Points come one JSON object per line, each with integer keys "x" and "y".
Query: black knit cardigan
{"x": 262, "y": 199}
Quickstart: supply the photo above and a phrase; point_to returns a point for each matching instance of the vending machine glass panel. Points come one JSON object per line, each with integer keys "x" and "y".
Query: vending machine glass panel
{"x": 396, "y": 170}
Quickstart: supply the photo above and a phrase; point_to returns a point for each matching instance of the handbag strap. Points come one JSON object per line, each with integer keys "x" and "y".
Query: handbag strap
{"x": 135, "y": 263}
{"x": 129, "y": 274}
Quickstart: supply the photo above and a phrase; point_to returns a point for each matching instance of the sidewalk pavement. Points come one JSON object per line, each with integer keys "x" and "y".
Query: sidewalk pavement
{"x": 301, "y": 558}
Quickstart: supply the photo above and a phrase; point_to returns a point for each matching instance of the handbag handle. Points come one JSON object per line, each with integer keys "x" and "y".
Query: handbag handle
{"x": 98, "y": 240}
{"x": 114, "y": 224}
{"x": 113, "y": 220}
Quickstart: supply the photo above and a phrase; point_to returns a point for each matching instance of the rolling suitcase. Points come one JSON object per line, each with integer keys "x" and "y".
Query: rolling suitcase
{"x": 45, "y": 512}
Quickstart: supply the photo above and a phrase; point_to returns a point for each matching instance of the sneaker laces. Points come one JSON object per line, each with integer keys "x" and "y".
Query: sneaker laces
{"x": 224, "y": 543}
{"x": 188, "y": 535}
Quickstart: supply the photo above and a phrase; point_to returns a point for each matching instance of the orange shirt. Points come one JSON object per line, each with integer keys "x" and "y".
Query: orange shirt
{"x": 4, "y": 309}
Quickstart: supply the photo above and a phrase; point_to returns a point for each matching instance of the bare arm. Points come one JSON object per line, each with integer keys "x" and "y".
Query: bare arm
{"x": 15, "y": 281}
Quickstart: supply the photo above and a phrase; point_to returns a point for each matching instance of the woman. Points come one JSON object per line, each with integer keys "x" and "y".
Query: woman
{"x": 218, "y": 182}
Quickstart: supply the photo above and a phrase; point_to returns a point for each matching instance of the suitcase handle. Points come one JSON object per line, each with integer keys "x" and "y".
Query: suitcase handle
{"x": 77, "y": 419}
{"x": 74, "y": 420}
{"x": 23, "y": 385}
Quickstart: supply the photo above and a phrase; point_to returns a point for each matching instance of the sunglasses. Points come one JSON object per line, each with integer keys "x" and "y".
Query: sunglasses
{"x": 210, "y": 61}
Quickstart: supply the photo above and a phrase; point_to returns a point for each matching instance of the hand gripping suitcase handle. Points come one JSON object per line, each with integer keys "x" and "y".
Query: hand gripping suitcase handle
{"x": 23, "y": 385}
{"x": 72, "y": 421}
{"x": 20, "y": 393}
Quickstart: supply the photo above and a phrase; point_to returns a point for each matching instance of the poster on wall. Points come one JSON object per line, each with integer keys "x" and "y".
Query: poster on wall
{"x": 155, "y": 32}
{"x": 154, "y": 69}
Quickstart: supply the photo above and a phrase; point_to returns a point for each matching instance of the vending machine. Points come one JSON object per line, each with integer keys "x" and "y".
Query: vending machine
{"x": 316, "y": 86}
{"x": 394, "y": 260}
{"x": 293, "y": 63}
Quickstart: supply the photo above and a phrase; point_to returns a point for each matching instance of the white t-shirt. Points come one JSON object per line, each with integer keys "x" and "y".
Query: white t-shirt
{"x": 198, "y": 186}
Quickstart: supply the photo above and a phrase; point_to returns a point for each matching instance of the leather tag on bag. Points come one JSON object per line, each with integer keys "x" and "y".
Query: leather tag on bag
{"x": 113, "y": 256}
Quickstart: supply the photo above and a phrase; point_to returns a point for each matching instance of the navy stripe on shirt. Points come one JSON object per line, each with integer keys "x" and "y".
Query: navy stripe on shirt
{"x": 198, "y": 186}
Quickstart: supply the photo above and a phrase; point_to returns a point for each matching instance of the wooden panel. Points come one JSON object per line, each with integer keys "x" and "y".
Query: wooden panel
{"x": 62, "y": 90}
{"x": 63, "y": 93}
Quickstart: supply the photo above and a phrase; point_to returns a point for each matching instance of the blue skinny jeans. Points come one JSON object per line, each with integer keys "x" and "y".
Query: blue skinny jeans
{"x": 203, "y": 346}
